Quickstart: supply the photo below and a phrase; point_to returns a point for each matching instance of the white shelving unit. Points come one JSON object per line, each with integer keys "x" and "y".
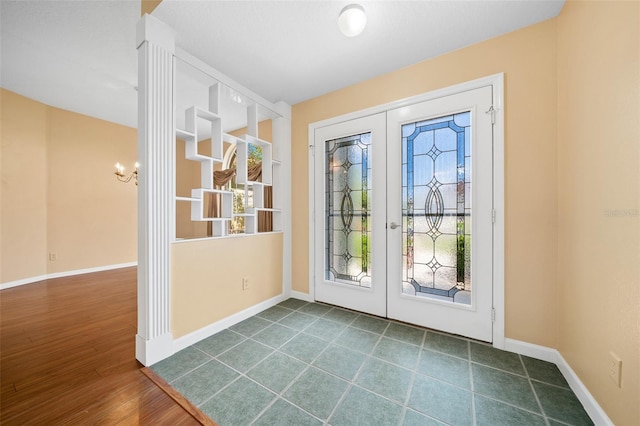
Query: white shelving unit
{"x": 269, "y": 166}
{"x": 195, "y": 147}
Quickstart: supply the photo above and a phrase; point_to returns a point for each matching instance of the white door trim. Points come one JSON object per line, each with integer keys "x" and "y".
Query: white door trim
{"x": 497, "y": 83}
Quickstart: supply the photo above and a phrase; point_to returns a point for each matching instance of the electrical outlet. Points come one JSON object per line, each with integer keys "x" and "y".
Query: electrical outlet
{"x": 615, "y": 369}
{"x": 245, "y": 283}
{"x": 53, "y": 257}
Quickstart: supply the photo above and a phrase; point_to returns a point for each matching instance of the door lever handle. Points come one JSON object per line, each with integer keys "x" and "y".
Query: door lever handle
{"x": 393, "y": 225}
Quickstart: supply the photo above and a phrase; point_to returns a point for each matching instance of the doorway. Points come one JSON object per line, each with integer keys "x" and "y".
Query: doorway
{"x": 404, "y": 212}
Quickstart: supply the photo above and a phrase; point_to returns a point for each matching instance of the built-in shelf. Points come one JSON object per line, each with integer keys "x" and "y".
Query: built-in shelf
{"x": 254, "y": 211}
{"x": 184, "y": 135}
{"x": 204, "y": 139}
{"x": 226, "y": 137}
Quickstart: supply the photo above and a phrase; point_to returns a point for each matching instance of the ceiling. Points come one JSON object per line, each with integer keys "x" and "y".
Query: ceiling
{"x": 80, "y": 55}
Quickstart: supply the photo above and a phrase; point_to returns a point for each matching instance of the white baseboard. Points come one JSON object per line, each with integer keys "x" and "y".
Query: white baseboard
{"x": 529, "y": 349}
{"x": 211, "y": 329}
{"x": 23, "y": 281}
{"x": 90, "y": 270}
{"x": 591, "y": 406}
{"x": 30, "y": 280}
{"x": 302, "y": 296}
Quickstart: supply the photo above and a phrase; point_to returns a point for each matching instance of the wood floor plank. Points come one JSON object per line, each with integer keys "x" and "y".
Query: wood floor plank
{"x": 67, "y": 355}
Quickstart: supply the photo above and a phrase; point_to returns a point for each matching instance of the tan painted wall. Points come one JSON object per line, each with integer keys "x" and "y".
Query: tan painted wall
{"x": 59, "y": 193}
{"x": 92, "y": 218}
{"x": 599, "y": 198}
{"x": 206, "y": 278}
{"x": 187, "y": 177}
{"x": 23, "y": 203}
{"x": 148, "y": 6}
{"x": 528, "y": 59}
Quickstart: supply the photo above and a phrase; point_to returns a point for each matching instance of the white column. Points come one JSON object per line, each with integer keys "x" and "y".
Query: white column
{"x": 156, "y": 203}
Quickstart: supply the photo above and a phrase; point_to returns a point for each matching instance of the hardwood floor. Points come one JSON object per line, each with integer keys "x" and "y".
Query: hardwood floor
{"x": 67, "y": 355}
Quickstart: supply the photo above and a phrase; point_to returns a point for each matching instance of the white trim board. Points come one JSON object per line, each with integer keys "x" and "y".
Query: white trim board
{"x": 31, "y": 280}
{"x": 591, "y": 406}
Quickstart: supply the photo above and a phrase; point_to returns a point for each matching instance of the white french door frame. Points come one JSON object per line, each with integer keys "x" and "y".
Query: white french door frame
{"x": 496, "y": 81}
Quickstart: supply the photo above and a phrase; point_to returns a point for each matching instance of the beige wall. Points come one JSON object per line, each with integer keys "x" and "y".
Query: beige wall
{"x": 59, "y": 194}
{"x": 23, "y": 201}
{"x": 528, "y": 59}
{"x": 206, "y": 278}
{"x": 599, "y": 193}
{"x": 148, "y": 6}
{"x": 187, "y": 177}
{"x": 92, "y": 218}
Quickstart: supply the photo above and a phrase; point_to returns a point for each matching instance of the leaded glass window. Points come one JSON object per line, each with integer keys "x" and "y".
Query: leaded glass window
{"x": 436, "y": 208}
{"x": 348, "y": 204}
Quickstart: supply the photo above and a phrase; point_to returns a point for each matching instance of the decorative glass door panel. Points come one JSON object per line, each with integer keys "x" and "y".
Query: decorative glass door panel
{"x": 436, "y": 208}
{"x": 350, "y": 200}
{"x": 348, "y": 189}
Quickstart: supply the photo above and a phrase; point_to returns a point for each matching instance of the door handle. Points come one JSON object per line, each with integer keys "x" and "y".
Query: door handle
{"x": 393, "y": 225}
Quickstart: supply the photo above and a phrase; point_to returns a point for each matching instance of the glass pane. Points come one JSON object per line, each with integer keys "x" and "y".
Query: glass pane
{"x": 436, "y": 208}
{"x": 348, "y": 205}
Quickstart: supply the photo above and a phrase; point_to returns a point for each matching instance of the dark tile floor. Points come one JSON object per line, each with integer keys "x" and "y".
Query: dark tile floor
{"x": 302, "y": 363}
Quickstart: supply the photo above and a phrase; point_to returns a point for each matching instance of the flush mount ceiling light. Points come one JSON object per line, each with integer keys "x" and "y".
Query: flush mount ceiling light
{"x": 352, "y": 20}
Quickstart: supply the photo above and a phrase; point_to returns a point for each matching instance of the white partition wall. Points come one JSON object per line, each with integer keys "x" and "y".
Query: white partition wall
{"x": 190, "y": 119}
{"x": 156, "y": 156}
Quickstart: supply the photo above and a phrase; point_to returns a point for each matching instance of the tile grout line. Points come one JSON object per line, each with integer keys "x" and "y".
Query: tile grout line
{"x": 243, "y": 375}
{"x": 535, "y": 394}
{"x": 280, "y": 395}
{"x": 211, "y": 357}
{"x": 352, "y": 382}
{"x": 474, "y": 419}
{"x": 369, "y": 355}
{"x": 523, "y": 376}
{"x": 405, "y": 405}
{"x": 193, "y": 369}
{"x": 304, "y": 370}
{"x": 510, "y": 405}
{"x": 218, "y": 392}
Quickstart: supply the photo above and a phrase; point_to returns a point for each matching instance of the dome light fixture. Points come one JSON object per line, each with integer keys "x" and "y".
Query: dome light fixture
{"x": 352, "y": 20}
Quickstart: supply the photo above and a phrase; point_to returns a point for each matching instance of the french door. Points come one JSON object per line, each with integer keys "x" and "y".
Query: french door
{"x": 350, "y": 216}
{"x": 403, "y": 214}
